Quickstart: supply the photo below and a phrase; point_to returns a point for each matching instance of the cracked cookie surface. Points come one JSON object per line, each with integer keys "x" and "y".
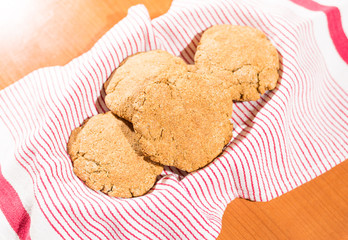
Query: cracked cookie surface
{"x": 241, "y": 56}
{"x": 135, "y": 73}
{"x": 185, "y": 122}
{"x": 104, "y": 152}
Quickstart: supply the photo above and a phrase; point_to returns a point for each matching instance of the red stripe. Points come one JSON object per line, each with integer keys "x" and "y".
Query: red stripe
{"x": 53, "y": 121}
{"x": 142, "y": 31}
{"x": 22, "y": 157}
{"x": 193, "y": 204}
{"x": 189, "y": 51}
{"x": 63, "y": 171}
{"x": 196, "y": 208}
{"x": 14, "y": 109}
{"x": 99, "y": 104}
{"x": 221, "y": 161}
{"x": 216, "y": 178}
{"x": 202, "y": 193}
{"x": 305, "y": 118}
{"x": 203, "y": 209}
{"x": 274, "y": 109}
{"x": 192, "y": 29}
{"x": 263, "y": 144}
{"x": 173, "y": 213}
{"x": 109, "y": 70}
{"x": 236, "y": 194}
{"x": 101, "y": 101}
{"x": 38, "y": 162}
{"x": 13, "y": 209}
{"x": 317, "y": 56}
{"x": 176, "y": 232}
{"x": 150, "y": 37}
{"x": 31, "y": 172}
{"x": 55, "y": 165}
{"x": 181, "y": 213}
{"x": 322, "y": 125}
{"x": 314, "y": 149}
{"x": 183, "y": 52}
{"x": 243, "y": 159}
{"x": 207, "y": 189}
{"x": 238, "y": 176}
{"x": 314, "y": 118}
{"x": 333, "y": 16}
{"x": 168, "y": 47}
{"x": 153, "y": 219}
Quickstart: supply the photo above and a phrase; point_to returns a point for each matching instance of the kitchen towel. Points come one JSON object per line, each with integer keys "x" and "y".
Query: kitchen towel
{"x": 288, "y": 137}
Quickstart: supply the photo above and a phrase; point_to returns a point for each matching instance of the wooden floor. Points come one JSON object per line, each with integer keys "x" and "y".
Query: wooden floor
{"x": 38, "y": 33}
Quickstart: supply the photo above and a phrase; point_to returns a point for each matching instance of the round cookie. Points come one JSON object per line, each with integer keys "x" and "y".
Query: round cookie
{"x": 104, "y": 152}
{"x": 135, "y": 73}
{"x": 184, "y": 123}
{"x": 241, "y": 56}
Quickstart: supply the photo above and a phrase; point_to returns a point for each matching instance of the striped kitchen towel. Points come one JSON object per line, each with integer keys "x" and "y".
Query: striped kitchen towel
{"x": 288, "y": 137}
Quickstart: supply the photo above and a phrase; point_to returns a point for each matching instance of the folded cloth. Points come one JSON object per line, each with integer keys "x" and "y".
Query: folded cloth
{"x": 288, "y": 137}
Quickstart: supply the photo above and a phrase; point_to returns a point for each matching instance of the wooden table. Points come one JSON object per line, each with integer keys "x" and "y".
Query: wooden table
{"x": 38, "y": 33}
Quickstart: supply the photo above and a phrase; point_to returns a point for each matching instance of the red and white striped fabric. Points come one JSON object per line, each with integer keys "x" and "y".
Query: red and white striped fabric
{"x": 288, "y": 137}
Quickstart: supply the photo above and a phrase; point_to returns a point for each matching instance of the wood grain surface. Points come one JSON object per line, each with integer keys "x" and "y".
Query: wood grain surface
{"x": 38, "y": 33}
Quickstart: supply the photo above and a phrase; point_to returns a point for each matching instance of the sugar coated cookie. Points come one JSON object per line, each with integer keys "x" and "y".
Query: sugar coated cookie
{"x": 184, "y": 123}
{"x": 135, "y": 73}
{"x": 105, "y": 155}
{"x": 241, "y": 56}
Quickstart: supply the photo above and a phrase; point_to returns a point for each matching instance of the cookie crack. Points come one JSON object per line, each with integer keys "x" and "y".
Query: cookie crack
{"x": 258, "y": 81}
{"x": 131, "y": 192}
{"x": 82, "y": 155}
{"x": 98, "y": 170}
{"x": 221, "y": 68}
{"x": 138, "y": 104}
{"x": 238, "y": 68}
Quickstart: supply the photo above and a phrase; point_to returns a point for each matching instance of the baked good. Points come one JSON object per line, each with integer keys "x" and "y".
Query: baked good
{"x": 135, "y": 73}
{"x": 242, "y": 56}
{"x": 183, "y": 123}
{"x": 180, "y": 113}
{"x": 105, "y": 156}
{"x": 182, "y": 118}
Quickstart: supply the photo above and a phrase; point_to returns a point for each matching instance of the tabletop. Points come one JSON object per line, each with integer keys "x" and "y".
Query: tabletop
{"x": 38, "y": 33}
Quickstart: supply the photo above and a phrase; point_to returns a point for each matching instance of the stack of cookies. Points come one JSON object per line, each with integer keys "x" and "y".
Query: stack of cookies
{"x": 164, "y": 112}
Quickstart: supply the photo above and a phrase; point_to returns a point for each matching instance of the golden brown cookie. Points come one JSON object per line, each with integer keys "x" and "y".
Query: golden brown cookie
{"x": 134, "y": 73}
{"x": 104, "y": 152}
{"x": 183, "y": 123}
{"x": 240, "y": 55}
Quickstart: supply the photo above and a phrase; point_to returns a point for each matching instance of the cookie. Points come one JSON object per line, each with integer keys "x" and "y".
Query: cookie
{"x": 134, "y": 73}
{"x": 184, "y": 123}
{"x": 105, "y": 155}
{"x": 241, "y": 56}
